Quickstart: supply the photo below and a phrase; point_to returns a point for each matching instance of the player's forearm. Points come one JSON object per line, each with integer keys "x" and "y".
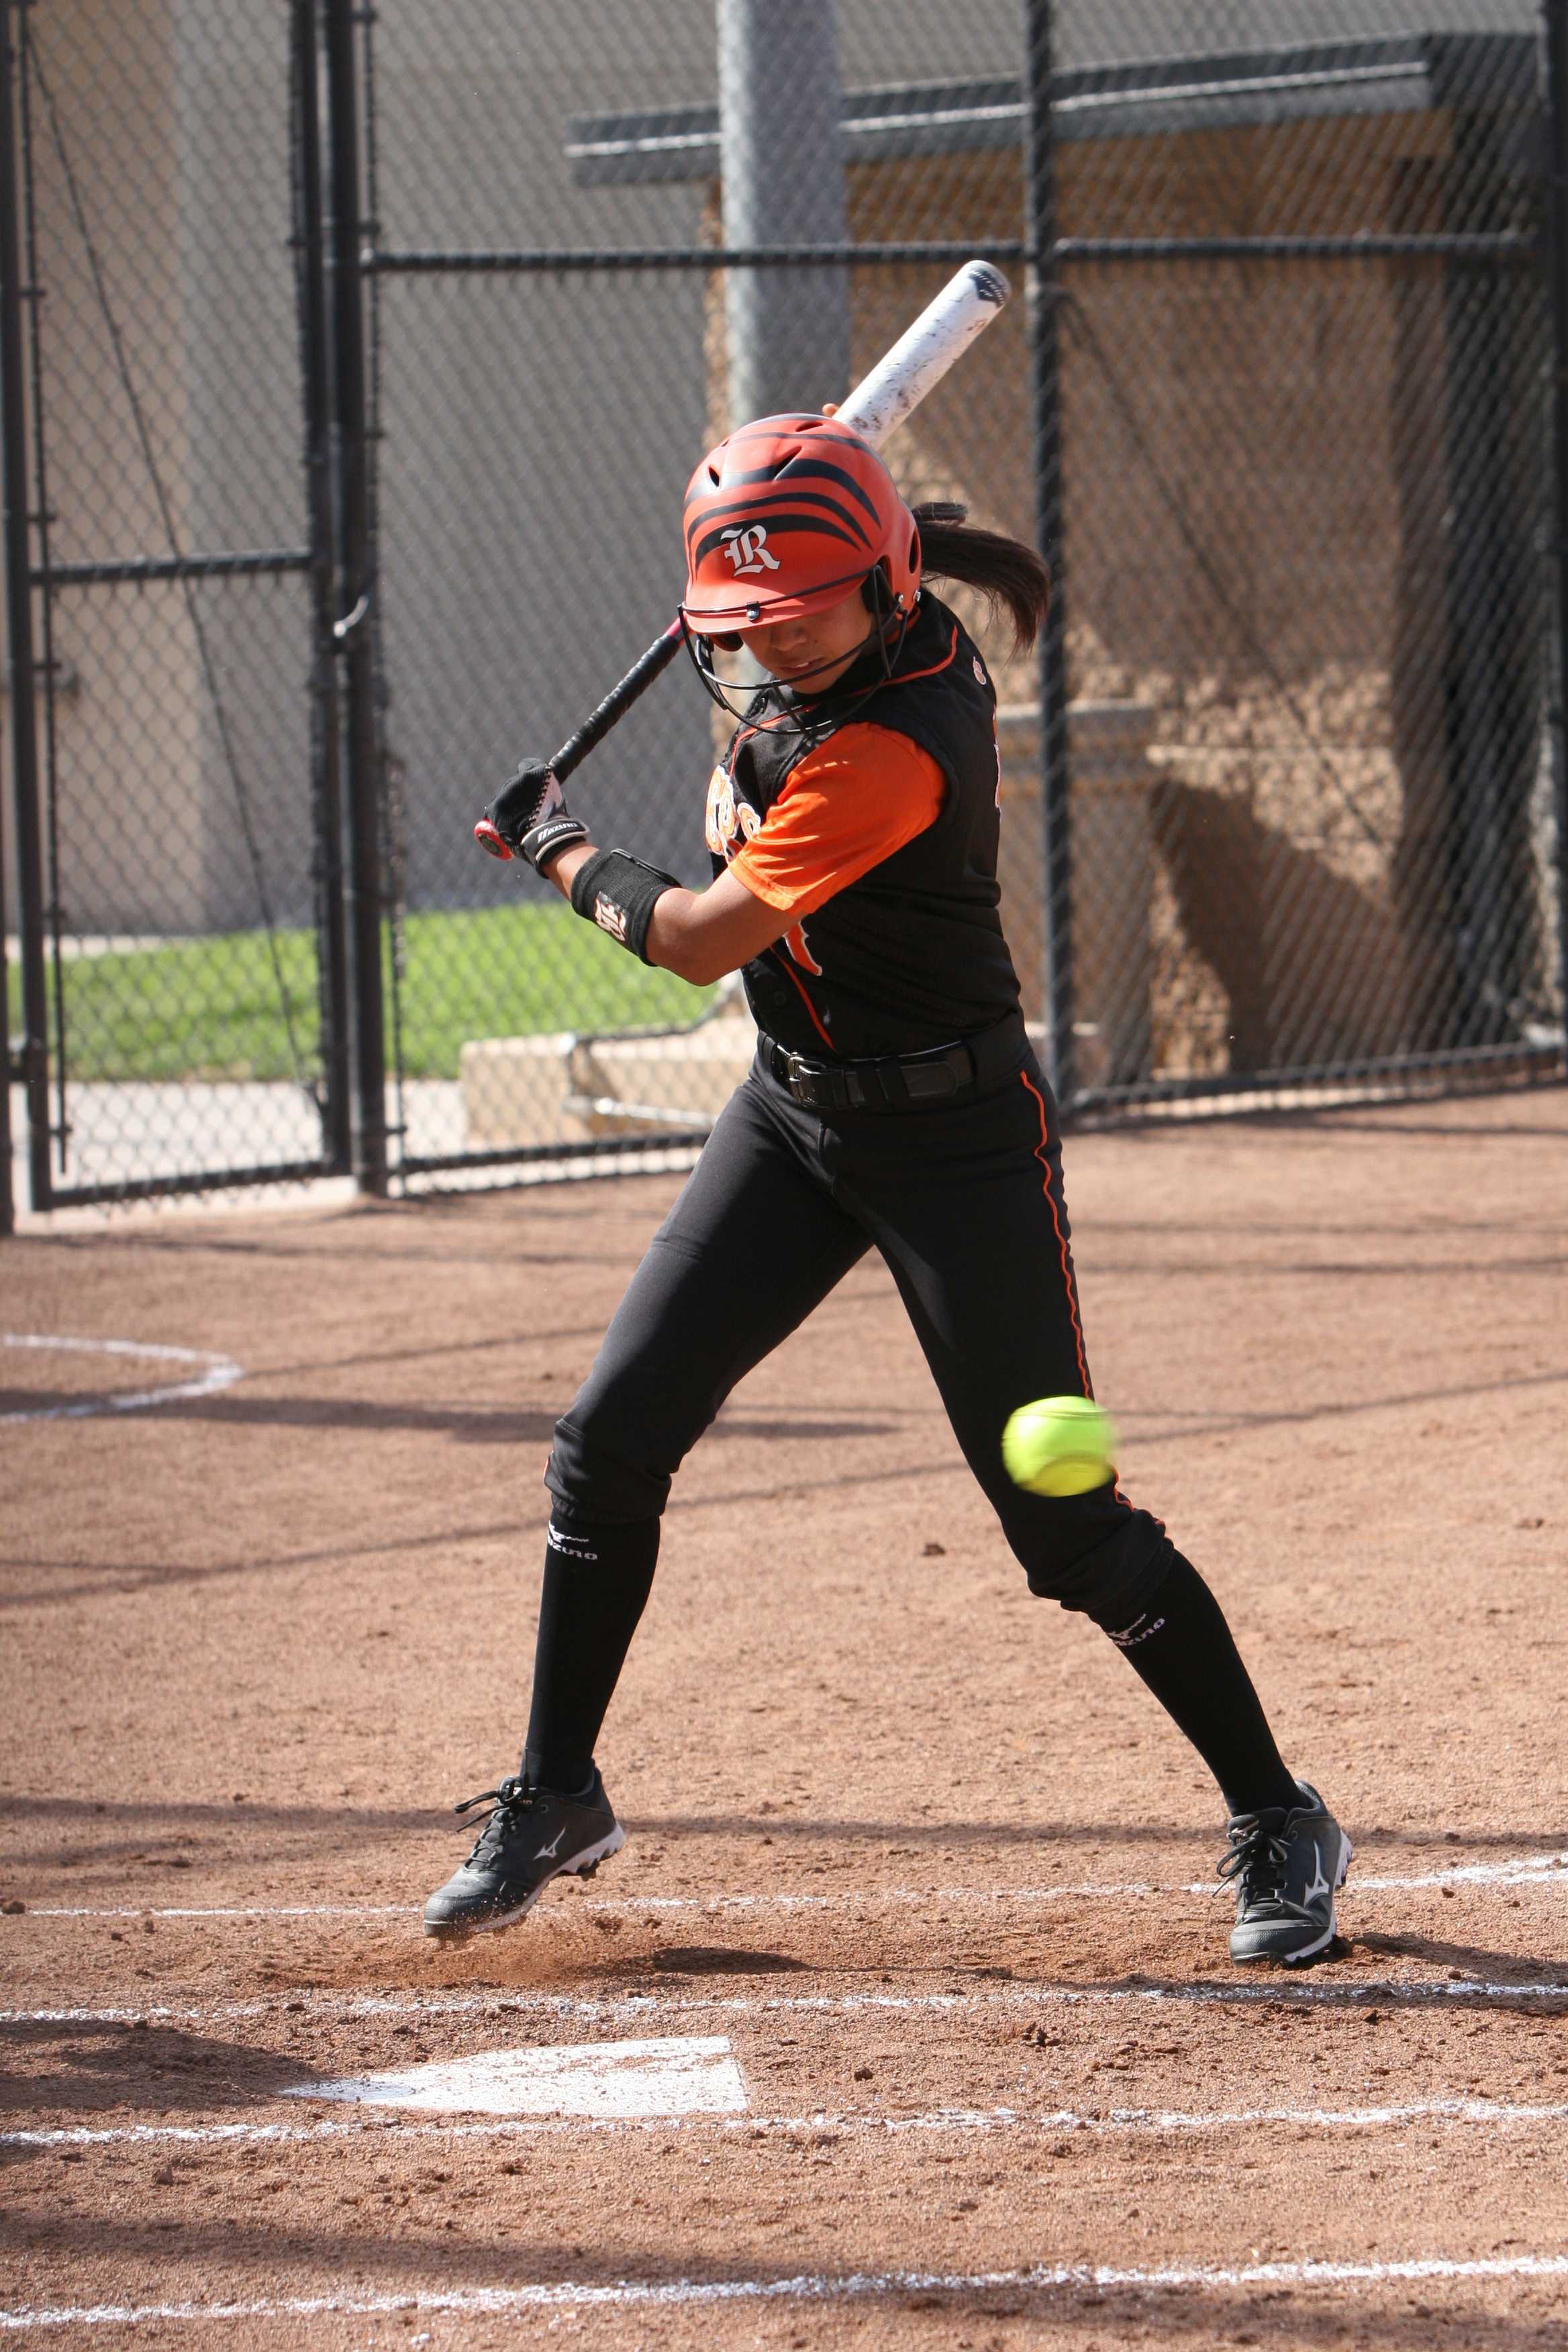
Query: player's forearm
{"x": 564, "y": 867}
{"x": 674, "y": 942}
{"x": 699, "y": 935}
{"x": 684, "y": 938}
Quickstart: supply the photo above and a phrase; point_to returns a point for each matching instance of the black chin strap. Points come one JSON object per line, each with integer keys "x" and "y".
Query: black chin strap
{"x": 794, "y": 713}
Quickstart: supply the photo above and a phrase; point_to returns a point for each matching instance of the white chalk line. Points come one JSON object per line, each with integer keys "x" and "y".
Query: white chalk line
{"x": 236, "y": 1911}
{"x": 1043, "y": 2278}
{"x": 862, "y": 2123}
{"x": 1532, "y": 1870}
{"x": 217, "y": 1373}
{"x": 1347, "y": 1992}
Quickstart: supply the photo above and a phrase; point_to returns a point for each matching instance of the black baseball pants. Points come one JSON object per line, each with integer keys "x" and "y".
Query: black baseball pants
{"x": 965, "y": 1201}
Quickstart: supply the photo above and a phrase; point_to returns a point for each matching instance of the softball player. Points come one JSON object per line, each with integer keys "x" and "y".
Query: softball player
{"x": 894, "y": 1104}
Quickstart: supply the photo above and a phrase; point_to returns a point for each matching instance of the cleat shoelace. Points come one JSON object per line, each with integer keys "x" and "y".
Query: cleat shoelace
{"x": 1255, "y": 1864}
{"x": 506, "y": 1803}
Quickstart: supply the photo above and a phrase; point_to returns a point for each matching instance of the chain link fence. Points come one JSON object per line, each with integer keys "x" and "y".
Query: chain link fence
{"x": 1303, "y": 348}
{"x": 1274, "y": 395}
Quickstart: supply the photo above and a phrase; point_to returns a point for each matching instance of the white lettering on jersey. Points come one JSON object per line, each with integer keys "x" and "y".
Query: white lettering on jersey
{"x": 731, "y": 821}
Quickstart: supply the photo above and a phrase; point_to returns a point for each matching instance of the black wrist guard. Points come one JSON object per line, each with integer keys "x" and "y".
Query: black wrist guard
{"x": 619, "y": 893}
{"x": 549, "y": 836}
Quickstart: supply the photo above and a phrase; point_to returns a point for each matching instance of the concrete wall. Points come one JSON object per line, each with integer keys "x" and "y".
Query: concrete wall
{"x": 245, "y": 436}
{"x": 171, "y": 424}
{"x": 125, "y": 712}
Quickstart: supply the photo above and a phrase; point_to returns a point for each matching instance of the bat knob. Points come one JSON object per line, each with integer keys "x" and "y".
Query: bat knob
{"x": 487, "y": 836}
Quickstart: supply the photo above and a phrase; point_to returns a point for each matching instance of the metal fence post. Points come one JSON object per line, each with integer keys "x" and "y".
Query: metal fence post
{"x": 1555, "y": 16}
{"x": 333, "y": 993}
{"x": 35, "y": 1064}
{"x": 355, "y": 589}
{"x": 8, "y": 1201}
{"x": 1491, "y": 697}
{"x": 783, "y": 183}
{"x": 1046, "y": 399}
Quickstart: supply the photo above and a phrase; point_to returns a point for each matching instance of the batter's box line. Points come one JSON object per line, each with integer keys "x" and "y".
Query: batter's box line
{"x": 217, "y": 1373}
{"x": 863, "y": 2125}
{"x": 1350, "y": 1992}
{"x": 1043, "y": 2279}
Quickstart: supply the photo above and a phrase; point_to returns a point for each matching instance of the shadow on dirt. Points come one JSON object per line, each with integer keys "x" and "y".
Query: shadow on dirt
{"x": 156, "y": 1852}
{"x": 1351, "y": 1121}
{"x": 100, "y": 2070}
{"x": 474, "y": 1424}
{"x": 910, "y": 1837}
{"x": 716, "y": 1960}
{"x": 148, "y": 1576}
{"x": 335, "y": 1239}
{"x": 1317, "y": 1987}
{"x": 1470, "y": 1960}
{"x": 410, "y": 2254}
{"x": 140, "y": 1823}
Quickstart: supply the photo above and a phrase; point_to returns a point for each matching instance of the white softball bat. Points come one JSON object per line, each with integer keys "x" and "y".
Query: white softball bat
{"x": 923, "y": 353}
{"x": 900, "y": 380}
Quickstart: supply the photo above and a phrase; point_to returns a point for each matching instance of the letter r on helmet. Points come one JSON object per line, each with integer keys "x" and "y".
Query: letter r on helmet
{"x": 747, "y": 548}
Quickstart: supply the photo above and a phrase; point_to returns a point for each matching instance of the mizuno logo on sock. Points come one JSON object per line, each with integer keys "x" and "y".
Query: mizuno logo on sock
{"x": 1139, "y": 1630}
{"x": 574, "y": 1546}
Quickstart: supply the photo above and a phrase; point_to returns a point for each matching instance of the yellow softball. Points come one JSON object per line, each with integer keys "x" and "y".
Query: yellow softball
{"x": 1060, "y": 1445}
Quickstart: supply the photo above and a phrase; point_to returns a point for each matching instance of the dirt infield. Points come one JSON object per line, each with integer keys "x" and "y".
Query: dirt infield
{"x": 915, "y": 1865}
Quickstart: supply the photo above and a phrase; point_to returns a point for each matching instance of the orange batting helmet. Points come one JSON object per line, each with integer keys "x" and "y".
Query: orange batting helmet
{"x": 787, "y": 516}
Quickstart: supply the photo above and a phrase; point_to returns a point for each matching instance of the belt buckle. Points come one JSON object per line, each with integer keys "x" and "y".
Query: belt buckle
{"x": 801, "y": 1080}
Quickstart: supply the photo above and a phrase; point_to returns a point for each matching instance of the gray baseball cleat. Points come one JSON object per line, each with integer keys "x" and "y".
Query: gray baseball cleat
{"x": 1287, "y": 1868}
{"x": 529, "y": 1837}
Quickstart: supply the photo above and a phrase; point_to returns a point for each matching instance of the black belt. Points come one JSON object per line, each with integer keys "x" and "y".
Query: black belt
{"x": 896, "y": 1081}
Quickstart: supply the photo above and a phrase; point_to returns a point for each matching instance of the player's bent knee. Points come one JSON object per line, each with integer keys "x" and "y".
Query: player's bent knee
{"x": 598, "y": 1478}
{"x": 1107, "y": 1569}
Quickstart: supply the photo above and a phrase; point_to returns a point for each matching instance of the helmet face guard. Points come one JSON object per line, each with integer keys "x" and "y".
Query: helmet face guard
{"x": 786, "y": 517}
{"x": 798, "y": 706}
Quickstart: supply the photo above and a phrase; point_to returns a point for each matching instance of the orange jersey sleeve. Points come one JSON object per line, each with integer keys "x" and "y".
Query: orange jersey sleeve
{"x": 848, "y": 805}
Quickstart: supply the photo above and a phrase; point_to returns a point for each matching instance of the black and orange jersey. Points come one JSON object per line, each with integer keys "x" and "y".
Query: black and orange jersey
{"x": 873, "y": 820}
{"x": 847, "y": 805}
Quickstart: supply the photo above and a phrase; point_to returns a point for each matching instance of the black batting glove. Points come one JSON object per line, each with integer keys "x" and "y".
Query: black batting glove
{"x": 531, "y": 814}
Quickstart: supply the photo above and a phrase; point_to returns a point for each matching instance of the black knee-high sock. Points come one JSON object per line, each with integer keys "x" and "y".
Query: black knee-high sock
{"x": 1184, "y": 1651}
{"x": 597, "y": 1578}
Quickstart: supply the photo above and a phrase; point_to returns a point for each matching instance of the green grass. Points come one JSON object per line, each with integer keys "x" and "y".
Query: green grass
{"x": 211, "y": 1008}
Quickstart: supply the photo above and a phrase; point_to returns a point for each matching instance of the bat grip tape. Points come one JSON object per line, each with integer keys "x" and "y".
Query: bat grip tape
{"x": 619, "y": 893}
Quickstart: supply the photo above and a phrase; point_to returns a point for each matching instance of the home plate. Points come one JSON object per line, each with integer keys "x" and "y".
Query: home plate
{"x": 669, "y": 2077}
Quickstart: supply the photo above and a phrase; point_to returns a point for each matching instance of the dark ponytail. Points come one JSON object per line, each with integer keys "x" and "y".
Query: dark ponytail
{"x": 1011, "y": 574}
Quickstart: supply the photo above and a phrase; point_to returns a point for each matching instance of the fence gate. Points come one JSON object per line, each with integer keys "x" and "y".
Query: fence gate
{"x": 183, "y": 969}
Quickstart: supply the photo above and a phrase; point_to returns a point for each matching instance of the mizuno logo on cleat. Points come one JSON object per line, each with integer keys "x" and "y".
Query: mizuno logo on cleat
{"x": 553, "y": 1848}
{"x": 1320, "y": 1883}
